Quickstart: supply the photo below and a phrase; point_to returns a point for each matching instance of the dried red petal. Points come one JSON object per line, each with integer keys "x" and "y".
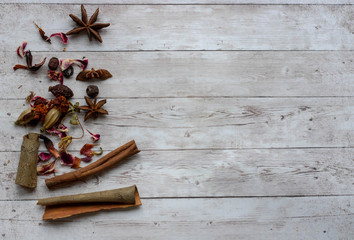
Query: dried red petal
{"x": 76, "y": 163}
{"x": 43, "y": 157}
{"x": 46, "y": 168}
{"x": 63, "y": 37}
{"x": 38, "y": 100}
{"x": 66, "y": 158}
{"x": 94, "y": 137}
{"x": 21, "y": 49}
{"x": 61, "y": 131}
{"x": 50, "y": 146}
{"x": 66, "y": 63}
{"x": 86, "y": 159}
{"x": 86, "y": 148}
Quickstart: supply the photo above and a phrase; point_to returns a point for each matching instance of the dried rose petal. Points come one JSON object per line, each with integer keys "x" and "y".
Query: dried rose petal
{"x": 38, "y": 100}
{"x": 61, "y": 131}
{"x": 55, "y": 75}
{"x": 66, "y": 158}
{"x": 63, "y": 128}
{"x": 49, "y": 145}
{"x": 21, "y": 49}
{"x": 94, "y": 137}
{"x": 86, "y": 159}
{"x": 76, "y": 163}
{"x": 66, "y": 63}
{"x": 63, "y": 37}
{"x": 43, "y": 157}
{"x": 46, "y": 168}
{"x": 86, "y": 149}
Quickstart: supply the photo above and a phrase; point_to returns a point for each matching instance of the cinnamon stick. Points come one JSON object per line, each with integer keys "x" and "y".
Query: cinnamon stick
{"x": 66, "y": 206}
{"x": 27, "y": 166}
{"x": 107, "y": 161}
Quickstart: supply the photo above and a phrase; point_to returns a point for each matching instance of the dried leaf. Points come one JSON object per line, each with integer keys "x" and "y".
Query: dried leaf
{"x": 50, "y": 146}
{"x": 19, "y": 66}
{"x": 42, "y": 33}
{"x": 30, "y": 97}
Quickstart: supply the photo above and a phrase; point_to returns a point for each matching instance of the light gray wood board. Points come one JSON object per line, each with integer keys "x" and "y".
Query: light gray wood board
{"x": 183, "y": 74}
{"x": 206, "y": 123}
{"x": 206, "y": 173}
{"x": 95, "y": 2}
{"x": 186, "y": 27}
{"x": 226, "y": 218}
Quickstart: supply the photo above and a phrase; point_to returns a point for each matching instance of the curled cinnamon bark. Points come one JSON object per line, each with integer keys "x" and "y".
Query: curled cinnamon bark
{"x": 66, "y": 206}
{"x": 107, "y": 161}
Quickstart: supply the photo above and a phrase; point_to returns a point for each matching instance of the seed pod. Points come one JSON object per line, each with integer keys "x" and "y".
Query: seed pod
{"x": 53, "y": 63}
{"x": 92, "y": 91}
{"x": 61, "y": 90}
{"x": 51, "y": 119}
{"x": 25, "y": 117}
{"x": 68, "y": 72}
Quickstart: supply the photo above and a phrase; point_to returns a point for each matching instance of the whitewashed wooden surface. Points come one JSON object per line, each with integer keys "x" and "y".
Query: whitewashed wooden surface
{"x": 243, "y": 111}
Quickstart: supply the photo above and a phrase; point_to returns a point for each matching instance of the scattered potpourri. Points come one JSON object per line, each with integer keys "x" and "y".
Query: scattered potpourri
{"x": 51, "y": 113}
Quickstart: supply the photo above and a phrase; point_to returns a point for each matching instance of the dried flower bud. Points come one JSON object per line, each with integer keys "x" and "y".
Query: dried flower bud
{"x": 53, "y": 63}
{"x": 25, "y": 117}
{"x": 92, "y": 91}
{"x": 51, "y": 119}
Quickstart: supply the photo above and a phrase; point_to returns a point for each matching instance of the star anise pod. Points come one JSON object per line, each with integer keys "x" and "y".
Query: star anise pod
{"x": 93, "y": 108}
{"x": 89, "y": 25}
{"x": 86, "y": 75}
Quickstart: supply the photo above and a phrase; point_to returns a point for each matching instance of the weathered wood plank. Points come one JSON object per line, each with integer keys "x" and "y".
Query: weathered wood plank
{"x": 185, "y": 1}
{"x": 183, "y": 74}
{"x": 204, "y": 123}
{"x": 187, "y": 27}
{"x": 245, "y": 218}
{"x": 206, "y": 173}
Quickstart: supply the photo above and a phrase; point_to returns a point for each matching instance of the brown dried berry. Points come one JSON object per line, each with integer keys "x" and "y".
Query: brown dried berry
{"x": 68, "y": 72}
{"x": 92, "y": 91}
{"x": 61, "y": 90}
{"x": 53, "y": 63}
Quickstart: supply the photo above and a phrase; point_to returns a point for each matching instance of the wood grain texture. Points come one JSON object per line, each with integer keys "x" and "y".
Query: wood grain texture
{"x": 187, "y": 27}
{"x": 244, "y": 114}
{"x": 185, "y": 1}
{"x": 204, "y": 123}
{"x": 205, "y": 74}
{"x": 206, "y": 173}
{"x": 245, "y": 218}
